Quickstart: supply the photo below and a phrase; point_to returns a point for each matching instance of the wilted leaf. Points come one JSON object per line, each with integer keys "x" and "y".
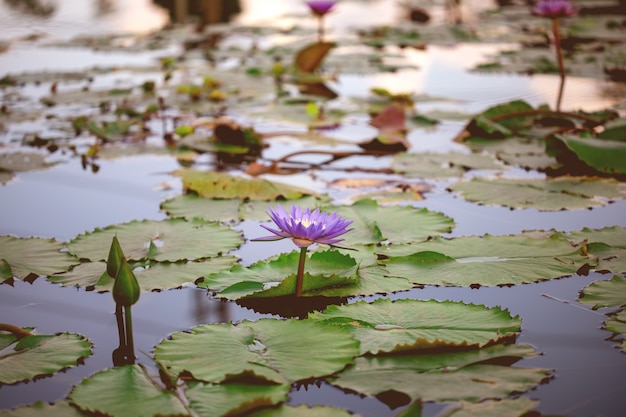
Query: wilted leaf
{"x": 219, "y": 185}
{"x": 309, "y": 58}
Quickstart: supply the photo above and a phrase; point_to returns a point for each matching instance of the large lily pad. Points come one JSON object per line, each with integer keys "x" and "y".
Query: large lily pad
{"x": 233, "y": 398}
{"x": 470, "y": 376}
{"x": 169, "y": 240}
{"x": 22, "y": 258}
{"x": 607, "y": 244}
{"x": 547, "y": 195}
{"x": 219, "y": 185}
{"x": 518, "y": 407}
{"x": 278, "y": 351}
{"x": 442, "y": 165}
{"x": 36, "y": 356}
{"x": 488, "y": 260}
{"x": 160, "y": 276}
{"x": 126, "y": 391}
{"x": 373, "y": 223}
{"x": 302, "y": 411}
{"x": 278, "y": 276}
{"x": 386, "y": 326}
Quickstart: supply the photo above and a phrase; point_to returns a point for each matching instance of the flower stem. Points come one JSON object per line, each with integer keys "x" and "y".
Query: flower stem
{"x": 320, "y": 28}
{"x": 559, "y": 57}
{"x": 300, "y": 277}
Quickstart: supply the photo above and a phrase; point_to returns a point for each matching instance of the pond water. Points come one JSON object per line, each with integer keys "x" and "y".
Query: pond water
{"x": 65, "y": 200}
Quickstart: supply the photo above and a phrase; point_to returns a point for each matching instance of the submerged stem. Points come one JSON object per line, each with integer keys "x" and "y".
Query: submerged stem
{"x": 300, "y": 277}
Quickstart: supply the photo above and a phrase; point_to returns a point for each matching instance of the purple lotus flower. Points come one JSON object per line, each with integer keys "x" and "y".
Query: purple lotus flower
{"x": 320, "y": 8}
{"x": 306, "y": 227}
{"x": 554, "y": 9}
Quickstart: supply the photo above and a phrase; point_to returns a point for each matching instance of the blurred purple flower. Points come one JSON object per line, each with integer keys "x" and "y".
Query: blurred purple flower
{"x": 306, "y": 227}
{"x": 554, "y": 9}
{"x": 320, "y": 8}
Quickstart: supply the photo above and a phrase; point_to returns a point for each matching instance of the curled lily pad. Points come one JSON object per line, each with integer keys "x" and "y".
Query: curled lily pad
{"x": 386, "y": 326}
{"x": 37, "y": 356}
{"x": 276, "y": 351}
{"x": 23, "y": 258}
{"x": 169, "y": 240}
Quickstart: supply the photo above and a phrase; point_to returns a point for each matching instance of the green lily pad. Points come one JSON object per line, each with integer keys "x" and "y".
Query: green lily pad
{"x": 233, "y": 398}
{"x": 386, "y": 326}
{"x": 160, "y": 276}
{"x": 488, "y": 260}
{"x": 37, "y": 356}
{"x": 278, "y": 351}
{"x": 219, "y": 185}
{"x": 517, "y": 407}
{"x": 126, "y": 391}
{"x": 23, "y": 258}
{"x": 278, "y": 276}
{"x": 224, "y": 210}
{"x": 607, "y": 244}
{"x": 43, "y": 409}
{"x": 610, "y": 293}
{"x": 547, "y": 195}
{"x": 617, "y": 324}
{"x": 169, "y": 240}
{"x": 373, "y": 223}
{"x": 529, "y": 153}
{"x": 471, "y": 376}
{"x": 302, "y": 411}
{"x": 442, "y": 165}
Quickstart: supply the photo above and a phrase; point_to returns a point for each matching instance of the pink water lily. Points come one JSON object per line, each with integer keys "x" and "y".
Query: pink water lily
{"x": 306, "y": 227}
{"x": 320, "y": 8}
{"x": 554, "y": 9}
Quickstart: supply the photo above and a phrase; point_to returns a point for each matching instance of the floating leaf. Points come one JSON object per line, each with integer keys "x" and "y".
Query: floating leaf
{"x": 386, "y": 326}
{"x": 607, "y": 244}
{"x": 277, "y": 277}
{"x": 23, "y": 258}
{"x": 488, "y": 260}
{"x": 548, "y": 195}
{"x": 460, "y": 376}
{"x": 610, "y": 293}
{"x": 22, "y": 161}
{"x": 219, "y": 185}
{"x": 225, "y": 210}
{"x": 126, "y": 391}
{"x": 302, "y": 411}
{"x": 517, "y": 407}
{"x": 441, "y": 165}
{"x": 160, "y": 276}
{"x": 233, "y": 398}
{"x": 169, "y": 240}
{"x": 42, "y": 355}
{"x": 43, "y": 409}
{"x": 279, "y": 351}
{"x": 373, "y": 223}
